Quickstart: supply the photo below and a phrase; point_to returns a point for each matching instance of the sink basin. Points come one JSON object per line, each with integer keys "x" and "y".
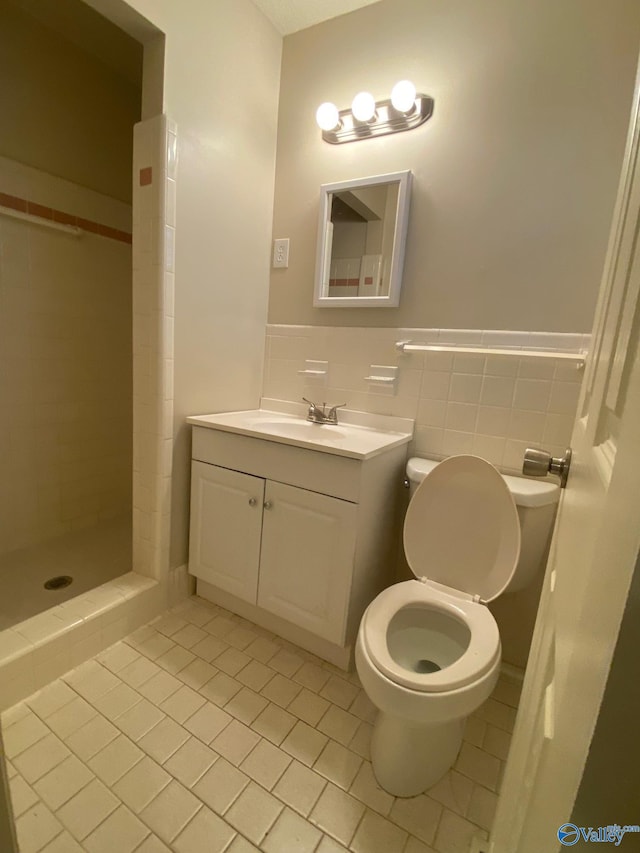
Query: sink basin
{"x": 356, "y": 440}
{"x": 304, "y": 430}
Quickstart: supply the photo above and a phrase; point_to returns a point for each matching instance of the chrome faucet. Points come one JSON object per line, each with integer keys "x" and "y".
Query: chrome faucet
{"x": 319, "y": 415}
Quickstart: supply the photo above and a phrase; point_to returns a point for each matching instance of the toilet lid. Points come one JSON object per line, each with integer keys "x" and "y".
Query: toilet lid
{"x": 462, "y": 528}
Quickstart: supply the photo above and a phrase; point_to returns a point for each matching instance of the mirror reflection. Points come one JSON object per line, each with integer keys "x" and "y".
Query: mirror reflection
{"x": 361, "y": 239}
{"x": 362, "y": 227}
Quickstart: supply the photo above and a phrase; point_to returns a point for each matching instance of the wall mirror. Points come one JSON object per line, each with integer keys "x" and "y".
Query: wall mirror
{"x": 361, "y": 239}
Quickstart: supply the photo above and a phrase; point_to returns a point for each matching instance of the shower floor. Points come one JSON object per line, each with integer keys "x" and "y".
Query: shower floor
{"x": 91, "y": 557}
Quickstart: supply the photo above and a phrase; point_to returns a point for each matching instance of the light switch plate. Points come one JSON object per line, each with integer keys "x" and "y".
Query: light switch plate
{"x": 281, "y": 253}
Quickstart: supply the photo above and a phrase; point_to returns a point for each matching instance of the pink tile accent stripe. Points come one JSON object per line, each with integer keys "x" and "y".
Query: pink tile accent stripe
{"x": 34, "y": 209}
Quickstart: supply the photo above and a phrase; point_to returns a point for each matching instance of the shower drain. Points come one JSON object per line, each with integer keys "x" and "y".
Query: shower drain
{"x": 58, "y": 582}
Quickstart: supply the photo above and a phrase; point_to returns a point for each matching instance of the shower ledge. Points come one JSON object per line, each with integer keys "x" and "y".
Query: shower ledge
{"x": 40, "y": 649}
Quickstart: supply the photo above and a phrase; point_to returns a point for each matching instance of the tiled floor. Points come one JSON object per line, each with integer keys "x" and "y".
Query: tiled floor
{"x": 202, "y": 733}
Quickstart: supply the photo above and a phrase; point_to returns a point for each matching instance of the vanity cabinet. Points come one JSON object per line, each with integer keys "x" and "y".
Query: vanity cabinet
{"x": 286, "y": 549}
{"x": 295, "y": 540}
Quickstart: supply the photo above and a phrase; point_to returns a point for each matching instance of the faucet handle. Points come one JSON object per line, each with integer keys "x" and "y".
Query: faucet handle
{"x": 332, "y": 414}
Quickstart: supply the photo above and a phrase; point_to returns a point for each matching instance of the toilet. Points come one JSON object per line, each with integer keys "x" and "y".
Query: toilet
{"x": 428, "y": 651}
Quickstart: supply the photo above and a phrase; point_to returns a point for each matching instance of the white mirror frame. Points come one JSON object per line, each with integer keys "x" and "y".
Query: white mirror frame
{"x": 323, "y": 251}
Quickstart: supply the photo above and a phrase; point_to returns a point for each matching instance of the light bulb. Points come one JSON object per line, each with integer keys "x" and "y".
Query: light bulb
{"x": 363, "y": 106}
{"x": 403, "y": 96}
{"x": 327, "y": 116}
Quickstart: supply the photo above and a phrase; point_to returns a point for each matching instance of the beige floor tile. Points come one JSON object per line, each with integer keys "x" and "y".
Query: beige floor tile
{"x": 169, "y": 624}
{"x": 281, "y": 690}
{"x": 71, "y": 717}
{"x": 63, "y": 782}
{"x": 206, "y": 831}
{"x": 340, "y": 692}
{"x": 339, "y": 725}
{"x": 35, "y": 828}
{"x": 140, "y": 719}
{"x": 308, "y": 706}
{"x": 312, "y": 676}
{"x": 241, "y": 636}
{"x": 299, "y": 787}
{"x": 498, "y": 714}
{"x": 337, "y": 814}
{"x": 207, "y": 722}
{"x": 63, "y": 843}
{"x": 163, "y": 740}
{"x": 496, "y": 742}
{"x": 152, "y": 844}
{"x": 139, "y": 671}
{"x": 141, "y": 784}
{"x": 263, "y": 649}
{"x": 286, "y": 662}
{"x": 375, "y": 834}
{"x": 190, "y": 762}
{"x": 246, "y": 705}
{"x": 479, "y": 766}
{"x": 338, "y": 764}
{"x": 84, "y": 812}
{"x": 116, "y": 759}
{"x": 416, "y": 846}
{"x": 197, "y": 673}
{"x": 117, "y": 657}
{"x": 41, "y": 757}
{"x": 235, "y": 742}
{"x": 175, "y": 659}
{"x": 91, "y": 680}
{"x": 454, "y": 833}
{"x": 241, "y": 845}
{"x": 265, "y": 764}
{"x": 482, "y": 807}
{"x": 23, "y": 734}
{"x": 154, "y": 645}
{"x": 220, "y": 689}
{"x": 274, "y": 723}
{"x": 220, "y": 785}
{"x": 160, "y": 687}
{"x": 418, "y": 815}
{"x": 254, "y": 812}
{"x": 361, "y": 741}
{"x": 189, "y": 636}
{"x": 209, "y": 648}
{"x": 182, "y": 704}
{"x": 474, "y": 730}
{"x": 255, "y": 675}
{"x": 363, "y": 708}
{"x": 291, "y": 832}
{"x": 330, "y": 845}
{"x": 453, "y": 791}
{"x": 50, "y": 698}
{"x": 116, "y": 701}
{"x": 22, "y": 795}
{"x": 92, "y": 737}
{"x": 121, "y": 832}
{"x": 365, "y": 787}
{"x": 170, "y": 811}
{"x": 231, "y": 661}
{"x": 304, "y": 743}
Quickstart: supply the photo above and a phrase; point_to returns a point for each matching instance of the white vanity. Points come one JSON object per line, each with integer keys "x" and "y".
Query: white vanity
{"x": 293, "y": 524}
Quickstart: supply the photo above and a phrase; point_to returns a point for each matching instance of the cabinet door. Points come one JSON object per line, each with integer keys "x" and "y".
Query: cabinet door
{"x": 226, "y": 525}
{"x": 308, "y": 545}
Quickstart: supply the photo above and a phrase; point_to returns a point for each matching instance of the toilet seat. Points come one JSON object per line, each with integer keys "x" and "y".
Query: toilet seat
{"x": 482, "y": 651}
{"x": 462, "y": 542}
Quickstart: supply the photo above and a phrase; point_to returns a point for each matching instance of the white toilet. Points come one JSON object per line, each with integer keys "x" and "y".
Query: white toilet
{"x": 428, "y": 650}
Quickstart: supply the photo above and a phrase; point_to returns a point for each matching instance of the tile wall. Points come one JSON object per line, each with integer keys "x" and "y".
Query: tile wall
{"x": 154, "y": 171}
{"x": 492, "y": 406}
{"x": 65, "y": 359}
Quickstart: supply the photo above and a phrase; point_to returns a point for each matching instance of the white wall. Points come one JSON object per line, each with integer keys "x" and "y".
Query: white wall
{"x": 514, "y": 175}
{"x": 221, "y": 83}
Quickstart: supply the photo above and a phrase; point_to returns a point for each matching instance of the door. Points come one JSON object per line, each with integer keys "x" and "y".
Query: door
{"x": 308, "y": 546}
{"x": 226, "y": 526}
{"x": 592, "y": 558}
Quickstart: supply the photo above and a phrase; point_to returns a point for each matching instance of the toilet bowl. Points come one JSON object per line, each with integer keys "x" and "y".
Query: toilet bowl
{"x": 428, "y": 650}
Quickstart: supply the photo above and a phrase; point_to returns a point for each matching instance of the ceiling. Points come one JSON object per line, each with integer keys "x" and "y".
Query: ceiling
{"x": 289, "y": 16}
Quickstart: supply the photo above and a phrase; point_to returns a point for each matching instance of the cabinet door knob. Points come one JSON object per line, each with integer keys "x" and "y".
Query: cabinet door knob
{"x": 267, "y": 504}
{"x": 253, "y": 501}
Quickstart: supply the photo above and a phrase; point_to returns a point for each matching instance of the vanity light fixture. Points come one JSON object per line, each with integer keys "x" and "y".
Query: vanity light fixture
{"x": 367, "y": 117}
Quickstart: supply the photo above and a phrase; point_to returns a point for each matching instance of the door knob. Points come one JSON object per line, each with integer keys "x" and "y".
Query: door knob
{"x": 253, "y": 501}
{"x": 539, "y": 463}
{"x": 267, "y": 504}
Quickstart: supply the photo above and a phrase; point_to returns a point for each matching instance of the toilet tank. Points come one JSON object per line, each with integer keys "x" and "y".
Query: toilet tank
{"x": 536, "y": 501}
